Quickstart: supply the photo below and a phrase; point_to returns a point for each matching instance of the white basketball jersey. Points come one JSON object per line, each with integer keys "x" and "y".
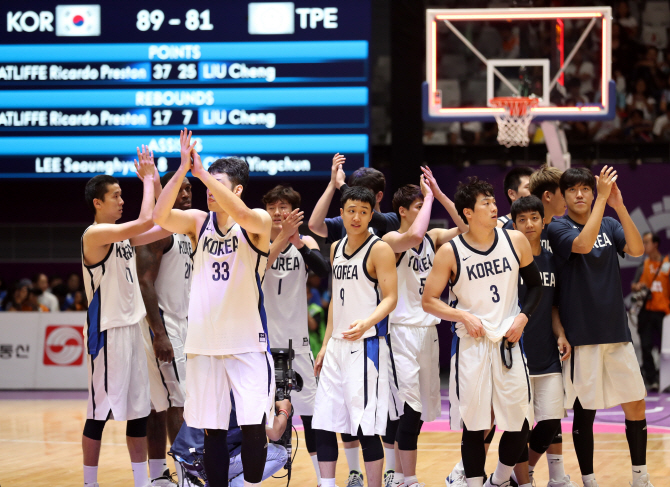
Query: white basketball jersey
{"x": 486, "y": 283}
{"x": 112, "y": 288}
{"x": 173, "y": 283}
{"x": 355, "y": 293}
{"x": 413, "y": 269}
{"x": 226, "y": 315}
{"x": 285, "y": 292}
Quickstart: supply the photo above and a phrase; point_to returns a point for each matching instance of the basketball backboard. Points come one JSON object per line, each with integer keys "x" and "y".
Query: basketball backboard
{"x": 560, "y": 55}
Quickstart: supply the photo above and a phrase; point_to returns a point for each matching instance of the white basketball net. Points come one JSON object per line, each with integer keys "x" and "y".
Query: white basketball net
{"x": 513, "y": 123}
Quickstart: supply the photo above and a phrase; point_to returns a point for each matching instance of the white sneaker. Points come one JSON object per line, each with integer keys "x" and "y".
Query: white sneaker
{"x": 388, "y": 478}
{"x": 456, "y": 478}
{"x": 643, "y": 481}
{"x": 591, "y": 483}
{"x": 355, "y": 479}
{"x": 164, "y": 480}
{"x": 417, "y": 484}
{"x": 564, "y": 482}
{"x": 489, "y": 483}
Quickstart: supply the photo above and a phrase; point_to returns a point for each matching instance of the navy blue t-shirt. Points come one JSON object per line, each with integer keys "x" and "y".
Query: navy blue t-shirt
{"x": 539, "y": 342}
{"x": 388, "y": 222}
{"x": 590, "y": 297}
{"x": 544, "y": 237}
{"x": 508, "y": 225}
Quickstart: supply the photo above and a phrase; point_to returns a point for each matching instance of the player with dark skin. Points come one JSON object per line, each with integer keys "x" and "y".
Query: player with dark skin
{"x": 164, "y": 424}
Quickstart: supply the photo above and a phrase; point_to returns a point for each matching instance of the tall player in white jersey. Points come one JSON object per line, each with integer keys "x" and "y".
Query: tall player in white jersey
{"x": 352, "y": 365}
{"x": 227, "y": 343}
{"x": 164, "y": 271}
{"x": 488, "y": 369}
{"x": 118, "y": 385}
{"x": 291, "y": 256}
{"x": 413, "y": 341}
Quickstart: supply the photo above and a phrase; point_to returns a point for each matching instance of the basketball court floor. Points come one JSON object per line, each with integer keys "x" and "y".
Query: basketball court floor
{"x": 40, "y": 445}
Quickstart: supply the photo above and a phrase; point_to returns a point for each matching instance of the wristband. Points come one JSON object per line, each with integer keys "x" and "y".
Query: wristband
{"x": 343, "y": 188}
{"x": 284, "y": 412}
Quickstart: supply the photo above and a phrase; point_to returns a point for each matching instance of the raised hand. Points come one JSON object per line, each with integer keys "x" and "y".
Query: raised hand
{"x": 291, "y": 223}
{"x": 615, "y": 199}
{"x": 432, "y": 182}
{"x": 145, "y": 167}
{"x": 425, "y": 186}
{"x": 337, "y": 175}
{"x": 605, "y": 181}
{"x": 197, "y": 168}
{"x": 186, "y": 147}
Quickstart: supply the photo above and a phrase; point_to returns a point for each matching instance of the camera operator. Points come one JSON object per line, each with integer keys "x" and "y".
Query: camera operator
{"x": 277, "y": 455}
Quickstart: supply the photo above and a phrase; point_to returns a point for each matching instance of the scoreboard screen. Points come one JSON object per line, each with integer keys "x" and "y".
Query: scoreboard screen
{"x": 284, "y": 85}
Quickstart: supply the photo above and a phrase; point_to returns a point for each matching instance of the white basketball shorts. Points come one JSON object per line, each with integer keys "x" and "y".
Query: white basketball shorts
{"x": 480, "y": 382}
{"x": 547, "y": 393}
{"x": 603, "y": 376}
{"x": 209, "y": 380}
{"x": 118, "y": 380}
{"x": 303, "y": 401}
{"x": 353, "y": 387}
{"x": 415, "y": 351}
{"x": 167, "y": 379}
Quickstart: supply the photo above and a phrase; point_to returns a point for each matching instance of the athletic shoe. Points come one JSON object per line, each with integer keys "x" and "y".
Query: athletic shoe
{"x": 388, "y": 478}
{"x": 564, "y": 482}
{"x": 456, "y": 478}
{"x": 643, "y": 481}
{"x": 192, "y": 481}
{"x": 591, "y": 483}
{"x": 164, "y": 480}
{"x": 489, "y": 483}
{"x": 417, "y": 484}
{"x": 355, "y": 479}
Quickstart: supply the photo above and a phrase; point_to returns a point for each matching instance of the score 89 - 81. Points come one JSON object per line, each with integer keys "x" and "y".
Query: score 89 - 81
{"x": 153, "y": 20}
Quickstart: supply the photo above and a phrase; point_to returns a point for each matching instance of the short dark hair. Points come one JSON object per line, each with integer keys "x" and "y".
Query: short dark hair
{"x": 282, "y": 193}
{"x": 405, "y": 196}
{"x": 165, "y": 178}
{"x": 527, "y": 204}
{"x": 358, "y": 193}
{"x": 36, "y": 277}
{"x": 370, "y": 178}
{"x": 545, "y": 179}
{"x": 235, "y": 168}
{"x": 96, "y": 188}
{"x": 654, "y": 237}
{"x": 513, "y": 179}
{"x": 467, "y": 193}
{"x": 577, "y": 175}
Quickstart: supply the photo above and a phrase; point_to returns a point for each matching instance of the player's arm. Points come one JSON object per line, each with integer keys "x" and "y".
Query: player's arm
{"x": 444, "y": 200}
{"x": 311, "y": 254}
{"x": 99, "y": 236}
{"x": 280, "y": 421}
{"x": 318, "y": 361}
{"x": 148, "y": 264}
{"x": 441, "y": 236}
{"x": 444, "y": 266}
{"x": 583, "y": 243}
{"x": 564, "y": 347}
{"x": 530, "y": 274}
{"x": 400, "y": 242}
{"x": 634, "y": 246}
{"x": 177, "y": 221}
{"x": 157, "y": 178}
{"x": 382, "y": 259}
{"x": 289, "y": 225}
{"x": 317, "y": 221}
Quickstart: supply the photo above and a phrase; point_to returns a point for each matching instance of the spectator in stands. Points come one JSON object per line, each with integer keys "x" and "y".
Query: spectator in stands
{"x": 607, "y": 130}
{"x": 80, "y": 303}
{"x": 655, "y": 279}
{"x": 647, "y": 69}
{"x": 47, "y": 298}
{"x": 73, "y": 284}
{"x": 575, "y": 97}
{"x": 3, "y": 292}
{"x": 626, "y": 20}
{"x": 55, "y": 281}
{"x": 640, "y": 99}
{"x": 637, "y": 128}
{"x": 665, "y": 95}
{"x": 316, "y": 323}
{"x": 32, "y": 302}
{"x": 662, "y": 125}
{"x": 583, "y": 69}
{"x": 15, "y": 297}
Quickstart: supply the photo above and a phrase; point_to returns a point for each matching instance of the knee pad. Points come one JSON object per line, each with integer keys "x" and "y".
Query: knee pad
{"x": 136, "y": 428}
{"x": 524, "y": 454}
{"x": 254, "y": 435}
{"x": 408, "y": 429}
{"x": 371, "y": 446}
{"x": 544, "y": 434}
{"x": 326, "y": 445}
{"x": 310, "y": 438}
{"x": 489, "y": 437}
{"x": 391, "y": 431}
{"x": 473, "y": 452}
{"x": 512, "y": 444}
{"x": 93, "y": 429}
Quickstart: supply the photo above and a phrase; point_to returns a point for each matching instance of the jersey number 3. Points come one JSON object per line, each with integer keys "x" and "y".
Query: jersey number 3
{"x": 220, "y": 271}
{"x": 496, "y": 296}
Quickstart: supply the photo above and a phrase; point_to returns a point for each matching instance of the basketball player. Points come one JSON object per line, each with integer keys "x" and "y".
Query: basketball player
{"x": 352, "y": 365}
{"x": 227, "y": 343}
{"x": 333, "y": 228}
{"x": 488, "y": 369}
{"x": 603, "y": 370}
{"x": 164, "y": 271}
{"x": 118, "y": 384}
{"x": 543, "y": 337}
{"x": 291, "y": 257}
{"x": 516, "y": 185}
{"x": 413, "y": 334}
{"x": 544, "y": 183}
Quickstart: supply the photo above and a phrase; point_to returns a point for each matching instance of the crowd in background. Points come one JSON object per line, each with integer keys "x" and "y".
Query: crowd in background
{"x": 43, "y": 293}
